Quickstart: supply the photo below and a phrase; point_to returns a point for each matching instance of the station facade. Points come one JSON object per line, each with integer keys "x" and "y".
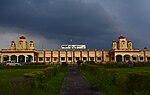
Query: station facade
{"x": 121, "y": 51}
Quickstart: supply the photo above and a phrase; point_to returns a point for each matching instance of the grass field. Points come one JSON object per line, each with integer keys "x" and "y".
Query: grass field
{"x": 51, "y": 87}
{"x": 103, "y": 82}
{"x": 123, "y": 72}
{"x": 6, "y": 75}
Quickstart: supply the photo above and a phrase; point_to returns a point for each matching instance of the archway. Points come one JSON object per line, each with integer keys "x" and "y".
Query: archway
{"x": 14, "y": 58}
{"x": 126, "y": 58}
{"x": 5, "y": 58}
{"x": 119, "y": 58}
{"x": 21, "y": 58}
{"x": 29, "y": 58}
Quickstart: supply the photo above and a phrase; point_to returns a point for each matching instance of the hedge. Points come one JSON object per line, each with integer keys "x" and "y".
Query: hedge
{"x": 38, "y": 78}
{"x": 138, "y": 83}
{"x": 101, "y": 77}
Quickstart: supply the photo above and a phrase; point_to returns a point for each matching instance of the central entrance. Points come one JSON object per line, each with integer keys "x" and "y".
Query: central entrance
{"x": 119, "y": 58}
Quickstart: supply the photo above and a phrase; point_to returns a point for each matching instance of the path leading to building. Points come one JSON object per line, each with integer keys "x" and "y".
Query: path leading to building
{"x": 75, "y": 84}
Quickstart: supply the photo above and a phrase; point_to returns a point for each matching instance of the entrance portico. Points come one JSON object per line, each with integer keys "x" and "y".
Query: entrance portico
{"x": 15, "y": 56}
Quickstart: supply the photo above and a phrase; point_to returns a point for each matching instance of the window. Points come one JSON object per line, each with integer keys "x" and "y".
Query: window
{"x": 47, "y": 59}
{"x": 62, "y": 58}
{"x": 77, "y": 58}
{"x": 91, "y": 58}
{"x": 134, "y": 58}
{"x": 141, "y": 58}
{"x": 148, "y": 59}
{"x": 84, "y": 58}
{"x": 69, "y": 58}
{"x": 40, "y": 58}
{"x": 55, "y": 58}
{"x": 98, "y": 58}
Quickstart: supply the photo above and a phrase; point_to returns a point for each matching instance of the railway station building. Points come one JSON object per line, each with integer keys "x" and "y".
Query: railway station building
{"x": 121, "y": 51}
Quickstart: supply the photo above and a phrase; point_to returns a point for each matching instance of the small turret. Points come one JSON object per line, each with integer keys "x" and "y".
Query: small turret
{"x": 31, "y": 45}
{"x": 130, "y": 45}
{"x": 114, "y": 45}
{"x": 12, "y": 45}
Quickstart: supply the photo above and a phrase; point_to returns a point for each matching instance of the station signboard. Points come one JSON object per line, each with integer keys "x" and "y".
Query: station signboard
{"x": 73, "y": 46}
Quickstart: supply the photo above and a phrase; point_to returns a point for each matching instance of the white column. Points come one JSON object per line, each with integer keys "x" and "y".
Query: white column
{"x": 9, "y": 58}
{"x": 17, "y": 58}
{"x": 115, "y": 58}
{"x": 138, "y": 58}
{"x": 33, "y": 59}
{"x": 25, "y": 59}
{"x": 122, "y": 58}
{"x": 130, "y": 58}
{"x": 1, "y": 58}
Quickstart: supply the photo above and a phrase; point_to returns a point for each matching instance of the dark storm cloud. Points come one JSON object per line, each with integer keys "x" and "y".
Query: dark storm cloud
{"x": 135, "y": 18}
{"x": 83, "y": 21}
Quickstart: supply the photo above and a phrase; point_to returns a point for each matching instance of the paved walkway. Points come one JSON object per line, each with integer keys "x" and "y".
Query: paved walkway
{"x": 75, "y": 84}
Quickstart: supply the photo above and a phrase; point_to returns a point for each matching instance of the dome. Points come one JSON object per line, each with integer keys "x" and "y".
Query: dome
{"x": 22, "y": 37}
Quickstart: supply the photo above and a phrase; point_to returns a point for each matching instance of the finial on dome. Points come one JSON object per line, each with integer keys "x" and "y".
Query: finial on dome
{"x": 13, "y": 41}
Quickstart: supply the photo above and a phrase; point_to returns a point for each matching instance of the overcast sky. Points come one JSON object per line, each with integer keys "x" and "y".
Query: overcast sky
{"x": 50, "y": 23}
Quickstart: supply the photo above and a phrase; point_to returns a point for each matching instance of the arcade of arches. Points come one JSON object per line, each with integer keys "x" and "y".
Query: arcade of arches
{"x": 127, "y": 58}
{"x": 20, "y": 58}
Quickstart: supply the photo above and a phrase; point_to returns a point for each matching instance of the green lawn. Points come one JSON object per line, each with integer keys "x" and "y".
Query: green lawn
{"x": 123, "y": 72}
{"x": 102, "y": 81}
{"x": 53, "y": 85}
{"x": 8, "y": 74}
